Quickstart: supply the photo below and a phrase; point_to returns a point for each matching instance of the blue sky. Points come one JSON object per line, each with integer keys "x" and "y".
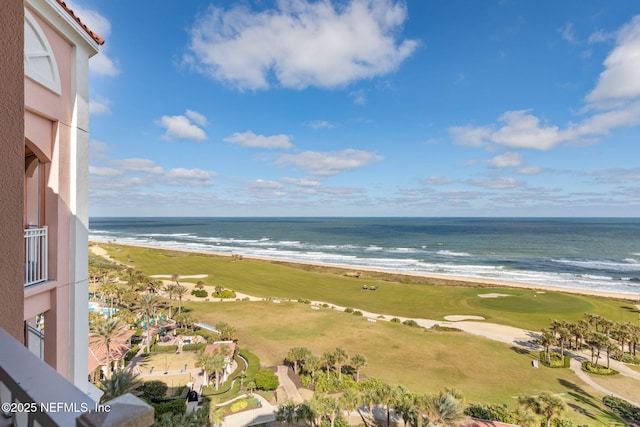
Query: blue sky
{"x": 365, "y": 108}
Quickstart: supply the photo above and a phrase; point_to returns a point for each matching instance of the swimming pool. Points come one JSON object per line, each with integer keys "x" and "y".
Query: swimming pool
{"x": 94, "y": 306}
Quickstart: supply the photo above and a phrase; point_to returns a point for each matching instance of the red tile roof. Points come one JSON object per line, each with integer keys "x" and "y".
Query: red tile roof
{"x": 93, "y": 35}
{"x": 211, "y": 348}
{"x": 118, "y": 348}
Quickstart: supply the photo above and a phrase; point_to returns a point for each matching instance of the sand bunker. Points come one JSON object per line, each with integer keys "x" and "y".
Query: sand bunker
{"x": 493, "y": 295}
{"x": 168, "y": 276}
{"x": 459, "y": 317}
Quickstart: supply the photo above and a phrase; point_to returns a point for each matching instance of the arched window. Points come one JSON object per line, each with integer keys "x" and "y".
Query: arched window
{"x": 39, "y": 61}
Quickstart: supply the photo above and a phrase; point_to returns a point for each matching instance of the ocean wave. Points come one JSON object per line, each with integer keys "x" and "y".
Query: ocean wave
{"x": 625, "y": 266}
{"x": 445, "y": 252}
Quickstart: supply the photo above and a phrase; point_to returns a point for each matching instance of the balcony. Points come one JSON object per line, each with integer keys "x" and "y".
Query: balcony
{"x": 33, "y": 394}
{"x": 36, "y": 268}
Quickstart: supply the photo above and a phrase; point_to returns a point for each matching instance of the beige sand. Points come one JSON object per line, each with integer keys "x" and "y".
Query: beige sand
{"x": 460, "y": 317}
{"x": 493, "y": 295}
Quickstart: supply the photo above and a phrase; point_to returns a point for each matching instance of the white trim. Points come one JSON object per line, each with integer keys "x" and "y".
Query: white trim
{"x": 39, "y": 47}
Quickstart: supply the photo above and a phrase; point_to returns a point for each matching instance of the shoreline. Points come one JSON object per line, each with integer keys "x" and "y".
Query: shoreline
{"x": 453, "y": 280}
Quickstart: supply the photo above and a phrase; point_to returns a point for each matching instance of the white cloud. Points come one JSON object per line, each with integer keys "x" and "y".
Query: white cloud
{"x": 250, "y": 139}
{"x": 99, "y": 106}
{"x": 530, "y": 170}
{"x": 438, "y": 180}
{"x": 182, "y": 127}
{"x": 523, "y": 130}
{"x": 138, "y": 165}
{"x": 302, "y": 182}
{"x": 619, "y": 80}
{"x": 101, "y": 64}
{"x": 196, "y": 117}
{"x": 506, "y": 160}
{"x": 496, "y": 183}
{"x": 330, "y": 163}
{"x": 567, "y": 32}
{"x": 470, "y": 136}
{"x": 301, "y": 43}
{"x": 104, "y": 171}
{"x": 181, "y": 173}
{"x": 600, "y": 36}
{"x": 319, "y": 124}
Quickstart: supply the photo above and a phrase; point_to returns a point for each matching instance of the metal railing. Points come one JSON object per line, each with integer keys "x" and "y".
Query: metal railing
{"x": 33, "y": 394}
{"x": 36, "y": 268}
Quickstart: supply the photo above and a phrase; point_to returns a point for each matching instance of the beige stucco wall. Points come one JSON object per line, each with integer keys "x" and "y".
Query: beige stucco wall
{"x": 12, "y": 166}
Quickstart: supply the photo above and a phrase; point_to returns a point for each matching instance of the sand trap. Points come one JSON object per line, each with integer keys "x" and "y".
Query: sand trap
{"x": 459, "y": 317}
{"x": 493, "y": 295}
{"x": 168, "y": 276}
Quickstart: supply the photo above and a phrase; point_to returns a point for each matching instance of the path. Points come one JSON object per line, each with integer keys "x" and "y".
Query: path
{"x": 576, "y": 366}
{"x": 264, "y": 414}
{"x": 289, "y": 387}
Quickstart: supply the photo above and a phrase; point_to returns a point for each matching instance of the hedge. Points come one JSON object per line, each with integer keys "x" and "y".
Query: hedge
{"x": 193, "y": 347}
{"x": 556, "y": 360}
{"x": 200, "y": 293}
{"x": 163, "y": 348}
{"x": 622, "y": 407}
{"x": 598, "y": 370}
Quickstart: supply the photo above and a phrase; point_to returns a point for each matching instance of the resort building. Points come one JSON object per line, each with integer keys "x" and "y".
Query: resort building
{"x": 44, "y": 117}
{"x": 228, "y": 349}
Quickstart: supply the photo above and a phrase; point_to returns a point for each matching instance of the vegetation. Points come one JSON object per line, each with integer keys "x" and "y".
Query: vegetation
{"x": 266, "y": 380}
{"x": 120, "y": 383}
{"x": 622, "y": 408}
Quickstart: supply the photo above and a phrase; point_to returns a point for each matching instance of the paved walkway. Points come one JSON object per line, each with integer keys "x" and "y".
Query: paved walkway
{"x": 289, "y": 387}
{"x": 576, "y": 366}
{"x": 264, "y": 414}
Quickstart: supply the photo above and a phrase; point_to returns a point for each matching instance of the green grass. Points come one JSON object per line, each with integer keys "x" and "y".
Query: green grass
{"x": 396, "y": 295}
{"x": 423, "y": 361}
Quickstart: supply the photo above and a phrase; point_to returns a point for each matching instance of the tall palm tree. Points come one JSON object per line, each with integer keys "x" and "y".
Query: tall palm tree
{"x": 286, "y": 412}
{"x": 148, "y": 304}
{"x": 327, "y": 361}
{"x": 545, "y": 405}
{"x": 297, "y": 355}
{"x": 312, "y": 365}
{"x": 340, "y": 357}
{"x": 386, "y": 395}
{"x": 204, "y": 361}
{"x": 120, "y": 383}
{"x": 547, "y": 339}
{"x": 180, "y": 292}
{"x": 350, "y": 401}
{"x": 564, "y": 335}
{"x": 170, "y": 289}
{"x": 358, "y": 361}
{"x": 218, "y": 363}
{"x": 216, "y": 416}
{"x": 106, "y": 330}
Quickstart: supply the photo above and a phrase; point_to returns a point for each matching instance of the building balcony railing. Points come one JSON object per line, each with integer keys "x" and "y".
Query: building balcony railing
{"x": 36, "y": 268}
{"x": 33, "y": 394}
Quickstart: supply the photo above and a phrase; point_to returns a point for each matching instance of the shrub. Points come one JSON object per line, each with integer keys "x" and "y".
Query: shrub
{"x": 395, "y": 320}
{"x": 153, "y": 390}
{"x": 227, "y": 293}
{"x": 357, "y": 313}
{"x": 437, "y": 327}
{"x": 411, "y": 323}
{"x": 348, "y": 310}
{"x": 598, "y": 370}
{"x": 325, "y": 305}
{"x": 163, "y": 348}
{"x": 622, "y": 407}
{"x": 134, "y": 350}
{"x": 490, "y": 412}
{"x": 267, "y": 380}
{"x": 557, "y": 361}
{"x": 176, "y": 407}
{"x": 200, "y": 293}
{"x": 193, "y": 347}
{"x": 238, "y": 405}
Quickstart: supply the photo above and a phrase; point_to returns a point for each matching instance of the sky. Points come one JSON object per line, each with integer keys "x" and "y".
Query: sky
{"x": 364, "y": 108}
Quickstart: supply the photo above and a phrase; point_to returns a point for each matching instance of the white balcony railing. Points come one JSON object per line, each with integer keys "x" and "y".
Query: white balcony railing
{"x": 33, "y": 394}
{"x": 36, "y": 269}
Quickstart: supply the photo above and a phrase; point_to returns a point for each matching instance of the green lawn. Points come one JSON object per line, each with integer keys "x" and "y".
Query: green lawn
{"x": 525, "y": 308}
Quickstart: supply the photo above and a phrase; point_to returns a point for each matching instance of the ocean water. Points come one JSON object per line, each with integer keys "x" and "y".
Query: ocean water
{"x": 600, "y": 254}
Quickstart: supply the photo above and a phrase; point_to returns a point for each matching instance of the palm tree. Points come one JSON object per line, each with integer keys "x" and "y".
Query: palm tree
{"x": 148, "y": 304}
{"x": 170, "y": 289}
{"x": 180, "y": 292}
{"x": 358, "y": 361}
{"x": 547, "y": 339}
{"x": 120, "y": 383}
{"x": 564, "y": 335}
{"x": 297, "y": 355}
{"x": 545, "y": 405}
{"x": 217, "y": 365}
{"x": 405, "y": 404}
{"x": 106, "y": 330}
{"x": 327, "y": 361}
{"x": 340, "y": 357}
{"x": 597, "y": 341}
{"x": 286, "y": 412}
{"x": 386, "y": 395}
{"x": 216, "y": 415}
{"x": 312, "y": 365}
{"x": 200, "y": 285}
{"x": 204, "y": 361}
{"x": 446, "y": 409}
{"x": 350, "y": 401}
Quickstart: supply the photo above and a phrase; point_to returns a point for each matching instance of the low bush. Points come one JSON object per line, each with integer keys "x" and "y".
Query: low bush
{"x": 193, "y": 347}
{"x": 437, "y": 327}
{"x": 200, "y": 293}
{"x": 163, "y": 348}
{"x": 557, "y": 360}
{"x": 395, "y": 320}
{"x": 598, "y": 370}
{"x": 227, "y": 293}
{"x": 267, "y": 380}
{"x": 411, "y": 323}
{"x": 357, "y": 313}
{"x": 622, "y": 407}
{"x": 490, "y": 413}
{"x": 176, "y": 407}
{"x": 134, "y": 350}
{"x": 348, "y": 310}
{"x": 238, "y": 405}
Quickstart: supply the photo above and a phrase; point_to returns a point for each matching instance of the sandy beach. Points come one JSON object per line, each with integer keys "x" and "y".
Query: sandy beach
{"x": 437, "y": 279}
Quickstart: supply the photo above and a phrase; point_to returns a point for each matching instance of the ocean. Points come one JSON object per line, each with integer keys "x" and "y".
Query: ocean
{"x": 596, "y": 254}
